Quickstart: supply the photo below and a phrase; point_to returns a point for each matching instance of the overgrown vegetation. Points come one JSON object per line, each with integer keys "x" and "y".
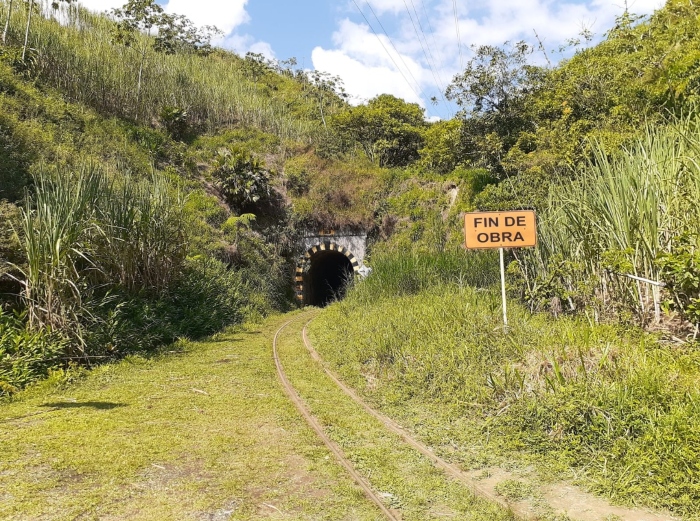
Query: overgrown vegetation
{"x": 426, "y": 335}
{"x": 123, "y": 72}
{"x": 102, "y": 261}
{"x": 633, "y": 214}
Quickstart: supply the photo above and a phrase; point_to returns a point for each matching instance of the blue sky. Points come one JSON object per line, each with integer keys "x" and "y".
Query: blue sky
{"x": 416, "y": 49}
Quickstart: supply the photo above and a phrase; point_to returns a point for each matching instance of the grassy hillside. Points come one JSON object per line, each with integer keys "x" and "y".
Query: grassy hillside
{"x": 83, "y": 58}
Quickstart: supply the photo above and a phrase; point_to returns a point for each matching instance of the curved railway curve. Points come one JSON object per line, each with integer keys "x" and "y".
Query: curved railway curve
{"x": 318, "y": 429}
{"x": 449, "y": 469}
{"x": 561, "y": 497}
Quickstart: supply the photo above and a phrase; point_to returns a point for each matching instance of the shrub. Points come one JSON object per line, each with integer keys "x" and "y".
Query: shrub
{"x": 26, "y": 355}
{"x": 206, "y": 298}
{"x": 241, "y": 178}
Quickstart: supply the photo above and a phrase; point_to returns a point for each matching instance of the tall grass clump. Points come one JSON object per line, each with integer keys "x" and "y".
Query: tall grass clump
{"x": 57, "y": 222}
{"x": 408, "y": 273}
{"x": 84, "y": 235}
{"x": 106, "y": 271}
{"x": 79, "y": 56}
{"x": 611, "y": 226}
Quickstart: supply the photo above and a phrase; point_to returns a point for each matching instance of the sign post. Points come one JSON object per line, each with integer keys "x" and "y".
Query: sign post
{"x": 490, "y": 230}
{"x": 503, "y": 289}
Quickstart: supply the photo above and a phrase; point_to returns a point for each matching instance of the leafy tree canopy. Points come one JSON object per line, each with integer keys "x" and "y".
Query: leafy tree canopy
{"x": 387, "y": 129}
{"x": 174, "y": 33}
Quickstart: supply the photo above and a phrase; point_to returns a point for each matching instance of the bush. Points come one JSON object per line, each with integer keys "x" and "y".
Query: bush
{"x": 26, "y": 355}
{"x": 205, "y": 299}
{"x": 241, "y": 178}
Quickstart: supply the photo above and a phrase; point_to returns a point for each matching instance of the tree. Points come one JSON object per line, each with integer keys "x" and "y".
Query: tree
{"x": 387, "y": 129}
{"x": 134, "y": 17}
{"x": 326, "y": 88}
{"x": 492, "y": 92}
{"x": 26, "y": 32}
{"x": 440, "y": 152}
{"x": 177, "y": 34}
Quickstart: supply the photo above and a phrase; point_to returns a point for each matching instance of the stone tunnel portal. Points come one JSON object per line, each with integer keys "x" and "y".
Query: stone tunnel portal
{"x": 327, "y": 277}
{"x": 323, "y": 272}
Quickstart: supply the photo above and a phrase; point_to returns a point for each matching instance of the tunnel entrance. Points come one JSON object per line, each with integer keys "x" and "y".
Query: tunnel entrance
{"x": 327, "y": 277}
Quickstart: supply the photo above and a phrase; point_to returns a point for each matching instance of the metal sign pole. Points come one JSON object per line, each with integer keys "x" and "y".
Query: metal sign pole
{"x": 503, "y": 289}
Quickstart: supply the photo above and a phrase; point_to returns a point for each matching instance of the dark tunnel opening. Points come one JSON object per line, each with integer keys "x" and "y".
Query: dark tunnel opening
{"x": 327, "y": 278}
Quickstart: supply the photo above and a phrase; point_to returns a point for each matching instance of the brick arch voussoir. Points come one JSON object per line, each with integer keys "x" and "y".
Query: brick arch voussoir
{"x": 306, "y": 258}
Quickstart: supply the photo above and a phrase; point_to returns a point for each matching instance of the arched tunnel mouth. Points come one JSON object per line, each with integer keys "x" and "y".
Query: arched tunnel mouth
{"x": 327, "y": 278}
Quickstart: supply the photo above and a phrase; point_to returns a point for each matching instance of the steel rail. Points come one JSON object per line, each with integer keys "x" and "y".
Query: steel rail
{"x": 318, "y": 429}
{"x": 449, "y": 468}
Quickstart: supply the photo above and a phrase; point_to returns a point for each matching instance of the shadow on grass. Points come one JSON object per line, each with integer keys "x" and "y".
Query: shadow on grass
{"x": 104, "y": 406}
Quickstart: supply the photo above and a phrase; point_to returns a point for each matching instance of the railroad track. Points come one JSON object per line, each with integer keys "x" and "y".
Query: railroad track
{"x": 448, "y": 468}
{"x": 318, "y": 429}
{"x": 566, "y": 499}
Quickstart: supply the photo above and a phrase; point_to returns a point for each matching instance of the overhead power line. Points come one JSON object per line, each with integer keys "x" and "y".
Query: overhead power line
{"x": 432, "y": 70}
{"x": 459, "y": 37}
{"x": 417, "y": 83}
{"x": 441, "y": 83}
{"x": 430, "y": 26}
{"x": 387, "y": 50}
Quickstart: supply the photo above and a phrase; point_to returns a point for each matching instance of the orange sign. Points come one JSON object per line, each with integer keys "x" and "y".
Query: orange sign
{"x": 516, "y": 229}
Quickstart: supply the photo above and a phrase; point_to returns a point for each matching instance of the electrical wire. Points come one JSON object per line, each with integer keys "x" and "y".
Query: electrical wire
{"x": 459, "y": 37}
{"x": 394, "y": 46}
{"x": 432, "y": 70}
{"x": 386, "y": 50}
{"x": 441, "y": 83}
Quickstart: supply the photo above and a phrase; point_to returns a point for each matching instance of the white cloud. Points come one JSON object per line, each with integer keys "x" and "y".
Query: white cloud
{"x": 363, "y": 81}
{"x": 102, "y": 5}
{"x": 226, "y": 15}
{"x": 368, "y": 65}
{"x": 382, "y": 6}
{"x": 263, "y": 48}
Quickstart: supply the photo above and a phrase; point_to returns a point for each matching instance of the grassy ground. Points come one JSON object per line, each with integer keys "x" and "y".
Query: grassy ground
{"x": 615, "y": 411}
{"x": 408, "y": 481}
{"x": 203, "y": 433}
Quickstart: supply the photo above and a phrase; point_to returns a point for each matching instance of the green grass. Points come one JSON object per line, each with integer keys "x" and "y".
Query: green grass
{"x": 202, "y": 431}
{"x": 408, "y": 480}
{"x": 80, "y": 58}
{"x": 615, "y": 410}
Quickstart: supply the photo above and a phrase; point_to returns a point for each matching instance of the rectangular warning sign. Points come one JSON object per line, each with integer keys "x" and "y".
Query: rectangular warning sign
{"x": 515, "y": 229}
